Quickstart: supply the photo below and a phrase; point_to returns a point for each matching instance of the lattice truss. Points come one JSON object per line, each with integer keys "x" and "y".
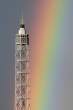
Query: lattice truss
{"x": 22, "y": 74}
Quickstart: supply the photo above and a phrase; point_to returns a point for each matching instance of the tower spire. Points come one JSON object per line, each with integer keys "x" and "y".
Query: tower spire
{"x": 22, "y": 22}
{"x": 22, "y": 30}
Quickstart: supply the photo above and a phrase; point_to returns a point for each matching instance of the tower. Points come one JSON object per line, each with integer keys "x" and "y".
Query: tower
{"x": 22, "y": 74}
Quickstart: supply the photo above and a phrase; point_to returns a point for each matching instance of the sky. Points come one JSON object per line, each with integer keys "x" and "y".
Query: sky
{"x": 50, "y": 25}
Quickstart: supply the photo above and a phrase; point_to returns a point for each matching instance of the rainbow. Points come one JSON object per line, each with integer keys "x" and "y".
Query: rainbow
{"x": 47, "y": 36}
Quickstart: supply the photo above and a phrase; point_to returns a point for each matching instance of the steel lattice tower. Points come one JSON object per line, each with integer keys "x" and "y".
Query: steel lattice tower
{"x": 22, "y": 74}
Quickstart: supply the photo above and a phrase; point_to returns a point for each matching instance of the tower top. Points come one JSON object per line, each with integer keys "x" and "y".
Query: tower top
{"x": 22, "y": 23}
{"x": 22, "y": 27}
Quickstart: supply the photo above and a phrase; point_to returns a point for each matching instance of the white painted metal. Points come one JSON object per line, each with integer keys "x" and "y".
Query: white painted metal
{"x": 22, "y": 74}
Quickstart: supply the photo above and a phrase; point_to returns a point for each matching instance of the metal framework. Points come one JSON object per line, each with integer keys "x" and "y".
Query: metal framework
{"x": 22, "y": 74}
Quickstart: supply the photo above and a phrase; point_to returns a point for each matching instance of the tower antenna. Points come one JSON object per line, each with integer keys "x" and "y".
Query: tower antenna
{"x": 22, "y": 22}
{"x": 22, "y": 18}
